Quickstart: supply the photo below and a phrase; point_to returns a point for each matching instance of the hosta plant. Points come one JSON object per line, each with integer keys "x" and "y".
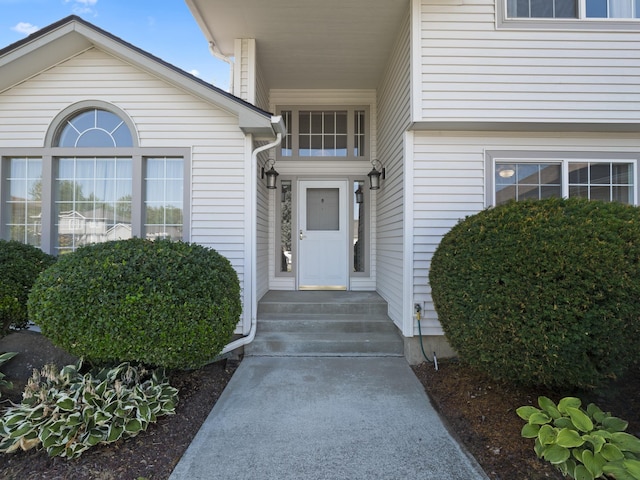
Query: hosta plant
{"x": 5, "y": 357}
{"x": 584, "y": 444}
{"x": 66, "y": 412}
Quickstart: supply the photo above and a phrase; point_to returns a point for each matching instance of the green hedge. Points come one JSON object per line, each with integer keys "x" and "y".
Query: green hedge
{"x": 162, "y": 303}
{"x": 543, "y": 292}
{"x": 20, "y": 265}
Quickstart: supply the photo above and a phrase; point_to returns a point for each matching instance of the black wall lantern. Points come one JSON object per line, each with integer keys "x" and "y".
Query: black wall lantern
{"x": 375, "y": 175}
{"x": 359, "y": 194}
{"x": 271, "y": 175}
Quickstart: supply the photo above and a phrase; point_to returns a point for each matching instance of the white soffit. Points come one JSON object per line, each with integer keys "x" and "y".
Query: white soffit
{"x": 308, "y": 43}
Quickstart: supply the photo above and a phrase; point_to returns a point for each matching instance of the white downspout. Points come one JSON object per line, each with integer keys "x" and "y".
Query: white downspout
{"x": 254, "y": 301}
{"x": 215, "y": 51}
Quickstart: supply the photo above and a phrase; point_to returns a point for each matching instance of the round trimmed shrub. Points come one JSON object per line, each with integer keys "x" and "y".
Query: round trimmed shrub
{"x": 543, "y": 292}
{"x": 20, "y": 266}
{"x": 162, "y": 303}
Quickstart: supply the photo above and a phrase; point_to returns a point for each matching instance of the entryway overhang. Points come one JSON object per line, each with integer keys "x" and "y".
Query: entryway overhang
{"x": 328, "y": 44}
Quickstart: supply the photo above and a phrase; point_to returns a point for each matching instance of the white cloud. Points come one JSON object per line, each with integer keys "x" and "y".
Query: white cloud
{"x": 25, "y": 28}
{"x": 82, "y": 7}
{"x": 194, "y": 72}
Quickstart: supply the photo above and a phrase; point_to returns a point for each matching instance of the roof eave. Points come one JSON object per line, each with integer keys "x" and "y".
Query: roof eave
{"x": 72, "y": 36}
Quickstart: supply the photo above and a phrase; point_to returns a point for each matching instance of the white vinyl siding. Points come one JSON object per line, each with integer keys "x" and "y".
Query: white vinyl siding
{"x": 449, "y": 183}
{"x": 394, "y": 112}
{"x": 470, "y": 71}
{"x": 164, "y": 116}
{"x": 265, "y": 218}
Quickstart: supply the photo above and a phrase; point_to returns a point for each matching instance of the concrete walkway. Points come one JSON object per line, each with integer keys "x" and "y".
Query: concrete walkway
{"x": 325, "y": 418}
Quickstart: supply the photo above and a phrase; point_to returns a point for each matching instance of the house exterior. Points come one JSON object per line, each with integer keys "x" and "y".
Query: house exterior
{"x": 459, "y": 105}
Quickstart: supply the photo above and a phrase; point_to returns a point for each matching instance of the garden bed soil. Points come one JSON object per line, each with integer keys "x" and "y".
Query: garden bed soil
{"x": 479, "y": 412}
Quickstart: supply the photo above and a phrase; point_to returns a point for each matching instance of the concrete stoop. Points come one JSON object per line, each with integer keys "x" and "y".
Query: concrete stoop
{"x": 340, "y": 324}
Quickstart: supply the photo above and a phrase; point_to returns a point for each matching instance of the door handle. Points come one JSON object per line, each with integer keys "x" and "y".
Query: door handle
{"x": 301, "y": 235}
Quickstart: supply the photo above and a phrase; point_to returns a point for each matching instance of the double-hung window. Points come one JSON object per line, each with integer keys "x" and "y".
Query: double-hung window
{"x": 542, "y": 8}
{"x": 606, "y": 179}
{"x": 579, "y": 9}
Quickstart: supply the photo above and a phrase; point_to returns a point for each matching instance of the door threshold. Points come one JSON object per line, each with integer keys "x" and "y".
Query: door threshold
{"x": 323, "y": 287}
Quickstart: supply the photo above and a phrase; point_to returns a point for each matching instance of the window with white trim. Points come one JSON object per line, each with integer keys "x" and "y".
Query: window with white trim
{"x": 324, "y": 132}
{"x": 91, "y": 184}
{"x": 595, "y": 179}
{"x": 580, "y": 9}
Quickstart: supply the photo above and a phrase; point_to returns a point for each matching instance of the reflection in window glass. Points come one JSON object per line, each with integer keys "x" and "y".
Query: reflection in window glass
{"x": 359, "y": 223}
{"x": 606, "y": 181}
{"x": 522, "y": 181}
{"x": 542, "y": 8}
{"x": 92, "y": 201}
{"x": 164, "y": 183}
{"x": 285, "y": 226}
{"x": 24, "y": 205}
{"x": 612, "y": 8}
{"x": 597, "y": 180}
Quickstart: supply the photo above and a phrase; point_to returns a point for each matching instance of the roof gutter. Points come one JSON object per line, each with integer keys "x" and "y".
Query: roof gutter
{"x": 278, "y": 127}
{"x": 215, "y": 51}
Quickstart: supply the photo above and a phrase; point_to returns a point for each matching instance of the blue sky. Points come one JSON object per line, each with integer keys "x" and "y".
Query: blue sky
{"x": 164, "y": 28}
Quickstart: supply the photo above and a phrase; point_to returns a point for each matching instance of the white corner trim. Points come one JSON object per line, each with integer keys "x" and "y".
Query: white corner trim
{"x": 407, "y": 290}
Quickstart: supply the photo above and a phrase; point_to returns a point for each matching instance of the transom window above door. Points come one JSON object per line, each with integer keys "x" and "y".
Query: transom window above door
{"x": 325, "y": 133}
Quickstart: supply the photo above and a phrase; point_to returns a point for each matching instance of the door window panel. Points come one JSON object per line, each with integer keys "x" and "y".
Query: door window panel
{"x": 323, "y": 209}
{"x": 286, "y": 251}
{"x": 359, "y": 221}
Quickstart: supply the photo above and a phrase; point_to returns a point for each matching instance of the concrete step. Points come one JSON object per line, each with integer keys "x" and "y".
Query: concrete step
{"x": 324, "y": 324}
{"x": 316, "y": 323}
{"x": 312, "y": 345}
{"x": 322, "y": 303}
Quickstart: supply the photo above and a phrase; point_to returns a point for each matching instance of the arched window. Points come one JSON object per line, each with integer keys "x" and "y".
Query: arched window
{"x": 92, "y": 182}
{"x": 94, "y": 128}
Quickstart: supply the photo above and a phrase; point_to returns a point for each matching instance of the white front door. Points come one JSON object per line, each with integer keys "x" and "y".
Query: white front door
{"x": 323, "y": 235}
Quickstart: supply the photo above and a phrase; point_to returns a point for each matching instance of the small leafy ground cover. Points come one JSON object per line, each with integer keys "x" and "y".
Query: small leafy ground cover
{"x": 482, "y": 413}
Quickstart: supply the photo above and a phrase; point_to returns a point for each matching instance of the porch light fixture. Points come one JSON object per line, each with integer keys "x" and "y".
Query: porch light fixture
{"x": 271, "y": 174}
{"x": 375, "y": 175}
{"x": 359, "y": 195}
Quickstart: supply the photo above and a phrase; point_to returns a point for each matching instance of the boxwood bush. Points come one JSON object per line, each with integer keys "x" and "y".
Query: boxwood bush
{"x": 162, "y": 303}
{"x": 20, "y": 265}
{"x": 543, "y": 292}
